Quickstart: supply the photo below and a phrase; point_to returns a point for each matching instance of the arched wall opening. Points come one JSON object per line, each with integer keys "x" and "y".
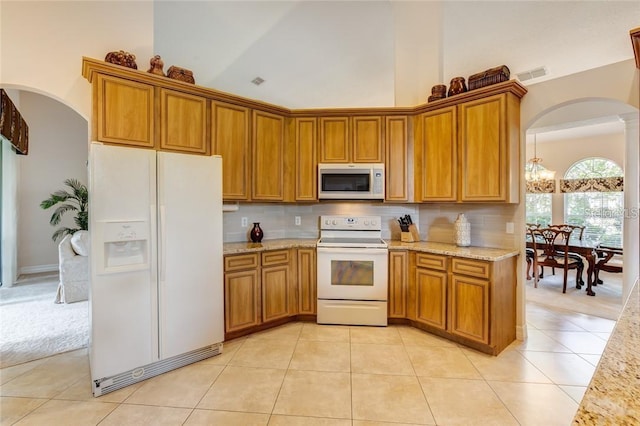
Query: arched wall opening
{"x": 591, "y": 119}
{"x": 58, "y": 149}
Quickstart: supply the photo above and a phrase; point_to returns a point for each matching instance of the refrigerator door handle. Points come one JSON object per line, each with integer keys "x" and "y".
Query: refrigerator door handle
{"x": 162, "y": 245}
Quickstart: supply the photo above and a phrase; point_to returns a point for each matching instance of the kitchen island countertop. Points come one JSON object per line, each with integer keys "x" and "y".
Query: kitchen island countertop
{"x": 613, "y": 394}
{"x": 481, "y": 253}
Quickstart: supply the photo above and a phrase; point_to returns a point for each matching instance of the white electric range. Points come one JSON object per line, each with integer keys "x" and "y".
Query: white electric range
{"x": 352, "y": 271}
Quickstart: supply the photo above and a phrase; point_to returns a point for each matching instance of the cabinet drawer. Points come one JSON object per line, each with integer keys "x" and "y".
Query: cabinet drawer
{"x": 431, "y": 261}
{"x": 475, "y": 268}
{"x": 241, "y": 261}
{"x": 275, "y": 257}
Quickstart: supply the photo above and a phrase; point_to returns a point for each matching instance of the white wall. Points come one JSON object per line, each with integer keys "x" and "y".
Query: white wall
{"x": 57, "y": 151}
{"x": 43, "y": 42}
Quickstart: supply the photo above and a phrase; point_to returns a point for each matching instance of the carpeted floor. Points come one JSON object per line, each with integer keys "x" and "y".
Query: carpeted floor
{"x": 32, "y": 326}
{"x": 607, "y": 303}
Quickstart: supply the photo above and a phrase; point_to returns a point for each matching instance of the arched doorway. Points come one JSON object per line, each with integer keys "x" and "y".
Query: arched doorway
{"x": 57, "y": 151}
{"x": 593, "y": 121}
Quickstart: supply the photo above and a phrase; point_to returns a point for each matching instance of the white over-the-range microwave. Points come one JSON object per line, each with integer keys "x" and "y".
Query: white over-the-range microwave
{"x": 351, "y": 181}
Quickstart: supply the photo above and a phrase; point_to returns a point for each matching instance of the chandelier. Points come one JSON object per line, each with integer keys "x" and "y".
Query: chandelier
{"x": 534, "y": 170}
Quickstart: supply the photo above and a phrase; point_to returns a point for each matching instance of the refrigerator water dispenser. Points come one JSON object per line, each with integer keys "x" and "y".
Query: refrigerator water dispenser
{"x": 125, "y": 246}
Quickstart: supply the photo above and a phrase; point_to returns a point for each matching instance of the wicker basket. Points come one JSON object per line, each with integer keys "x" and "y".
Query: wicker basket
{"x": 489, "y": 77}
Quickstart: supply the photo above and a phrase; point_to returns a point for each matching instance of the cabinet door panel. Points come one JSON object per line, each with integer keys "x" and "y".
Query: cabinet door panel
{"x": 242, "y": 300}
{"x": 268, "y": 157}
{"x": 483, "y": 145}
{"x": 183, "y": 119}
{"x": 368, "y": 146}
{"x": 334, "y": 140}
{"x": 398, "y": 284}
{"x": 307, "y": 293}
{"x": 231, "y": 139}
{"x": 397, "y": 170}
{"x": 431, "y": 297}
{"x": 275, "y": 292}
{"x": 470, "y": 308}
{"x": 125, "y": 112}
{"x": 306, "y": 159}
{"x": 438, "y": 162}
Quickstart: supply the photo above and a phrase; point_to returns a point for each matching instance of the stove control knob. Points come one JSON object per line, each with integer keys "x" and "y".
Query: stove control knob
{"x": 366, "y": 223}
{"x": 334, "y": 222}
{"x": 373, "y": 222}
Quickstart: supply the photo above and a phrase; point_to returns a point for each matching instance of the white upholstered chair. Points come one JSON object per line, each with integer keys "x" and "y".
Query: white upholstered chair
{"x": 73, "y": 257}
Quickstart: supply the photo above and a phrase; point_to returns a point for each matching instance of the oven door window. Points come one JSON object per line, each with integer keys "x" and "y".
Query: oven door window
{"x": 352, "y": 273}
{"x": 346, "y": 182}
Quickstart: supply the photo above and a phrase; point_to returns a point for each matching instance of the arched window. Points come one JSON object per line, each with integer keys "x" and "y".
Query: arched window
{"x": 600, "y": 212}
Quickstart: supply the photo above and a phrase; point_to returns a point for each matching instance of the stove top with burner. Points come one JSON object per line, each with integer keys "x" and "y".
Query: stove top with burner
{"x": 351, "y": 231}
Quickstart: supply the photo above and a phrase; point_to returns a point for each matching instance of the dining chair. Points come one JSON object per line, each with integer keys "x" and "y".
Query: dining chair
{"x": 609, "y": 259}
{"x": 551, "y": 248}
{"x": 529, "y": 253}
{"x": 576, "y": 232}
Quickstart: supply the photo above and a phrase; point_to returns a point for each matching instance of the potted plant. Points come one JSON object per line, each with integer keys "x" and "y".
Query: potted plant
{"x": 76, "y": 200}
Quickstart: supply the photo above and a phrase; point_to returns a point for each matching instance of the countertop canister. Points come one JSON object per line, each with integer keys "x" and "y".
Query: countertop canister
{"x": 463, "y": 231}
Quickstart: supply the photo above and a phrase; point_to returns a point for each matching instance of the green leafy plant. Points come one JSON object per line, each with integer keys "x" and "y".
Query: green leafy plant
{"x": 74, "y": 200}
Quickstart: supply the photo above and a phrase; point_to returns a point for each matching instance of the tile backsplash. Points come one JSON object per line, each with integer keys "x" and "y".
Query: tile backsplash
{"x": 435, "y": 221}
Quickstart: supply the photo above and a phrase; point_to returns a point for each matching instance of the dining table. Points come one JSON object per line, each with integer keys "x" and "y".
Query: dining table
{"x": 583, "y": 248}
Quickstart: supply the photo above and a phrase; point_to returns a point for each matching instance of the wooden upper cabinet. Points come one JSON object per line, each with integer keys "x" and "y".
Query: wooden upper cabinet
{"x": 306, "y": 169}
{"x": 351, "y": 140}
{"x": 489, "y": 149}
{"x": 335, "y": 144}
{"x": 125, "y": 111}
{"x": 397, "y": 156}
{"x": 367, "y": 146}
{"x": 231, "y": 139}
{"x": 268, "y": 157}
{"x": 183, "y": 121}
{"x": 435, "y": 150}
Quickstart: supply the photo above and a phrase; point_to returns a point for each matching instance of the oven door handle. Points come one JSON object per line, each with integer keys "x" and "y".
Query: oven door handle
{"x": 352, "y": 250}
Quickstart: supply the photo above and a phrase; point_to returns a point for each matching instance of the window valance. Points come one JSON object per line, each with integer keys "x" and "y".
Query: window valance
{"x": 541, "y": 186}
{"x": 607, "y": 184}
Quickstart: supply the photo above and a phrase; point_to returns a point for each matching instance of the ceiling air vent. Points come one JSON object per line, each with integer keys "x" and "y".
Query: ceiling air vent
{"x": 531, "y": 74}
{"x": 257, "y": 81}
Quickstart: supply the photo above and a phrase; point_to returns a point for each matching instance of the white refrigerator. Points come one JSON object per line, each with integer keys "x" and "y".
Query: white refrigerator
{"x": 156, "y": 293}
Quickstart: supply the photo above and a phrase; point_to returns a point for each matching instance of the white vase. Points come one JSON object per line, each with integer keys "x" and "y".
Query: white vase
{"x": 463, "y": 231}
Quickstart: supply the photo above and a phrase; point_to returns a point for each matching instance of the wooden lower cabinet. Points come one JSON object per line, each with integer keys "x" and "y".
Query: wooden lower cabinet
{"x": 470, "y": 308}
{"x": 307, "y": 293}
{"x": 431, "y": 297}
{"x": 466, "y": 300}
{"x": 261, "y": 289}
{"x": 241, "y": 293}
{"x": 398, "y": 283}
{"x": 276, "y": 278}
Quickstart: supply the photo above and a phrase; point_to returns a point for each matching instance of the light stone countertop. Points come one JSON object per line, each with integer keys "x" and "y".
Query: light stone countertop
{"x": 613, "y": 396}
{"x": 280, "y": 244}
{"x": 481, "y": 253}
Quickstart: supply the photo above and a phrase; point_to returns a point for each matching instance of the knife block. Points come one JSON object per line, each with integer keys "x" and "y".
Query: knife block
{"x": 411, "y": 236}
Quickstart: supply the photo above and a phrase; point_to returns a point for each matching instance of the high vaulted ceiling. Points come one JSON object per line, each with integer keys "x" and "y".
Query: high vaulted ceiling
{"x": 382, "y": 53}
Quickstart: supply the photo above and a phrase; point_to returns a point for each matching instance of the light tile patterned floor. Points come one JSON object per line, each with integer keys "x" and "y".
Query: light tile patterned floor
{"x": 306, "y": 374}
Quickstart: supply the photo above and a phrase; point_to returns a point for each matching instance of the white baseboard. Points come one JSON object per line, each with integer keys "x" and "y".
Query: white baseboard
{"x": 38, "y": 269}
